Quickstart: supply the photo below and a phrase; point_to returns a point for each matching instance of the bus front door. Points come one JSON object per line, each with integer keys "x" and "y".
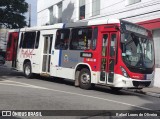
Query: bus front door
{"x": 47, "y": 53}
{"x": 108, "y": 59}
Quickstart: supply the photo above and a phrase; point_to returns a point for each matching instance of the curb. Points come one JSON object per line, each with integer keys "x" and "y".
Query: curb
{"x": 148, "y": 93}
{"x": 152, "y": 94}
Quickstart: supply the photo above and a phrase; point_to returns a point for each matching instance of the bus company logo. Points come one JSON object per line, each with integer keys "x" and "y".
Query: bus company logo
{"x": 65, "y": 58}
{"x": 26, "y": 53}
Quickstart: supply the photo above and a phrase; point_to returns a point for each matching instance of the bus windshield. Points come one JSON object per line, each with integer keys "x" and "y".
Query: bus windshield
{"x": 137, "y": 51}
{"x": 137, "y": 48}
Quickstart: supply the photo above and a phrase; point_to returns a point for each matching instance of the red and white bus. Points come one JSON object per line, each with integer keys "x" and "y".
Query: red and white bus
{"x": 11, "y": 51}
{"x": 110, "y": 52}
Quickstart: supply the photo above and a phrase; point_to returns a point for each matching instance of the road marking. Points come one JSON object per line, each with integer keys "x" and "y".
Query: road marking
{"x": 71, "y": 93}
{"x": 15, "y": 85}
{"x": 25, "y": 84}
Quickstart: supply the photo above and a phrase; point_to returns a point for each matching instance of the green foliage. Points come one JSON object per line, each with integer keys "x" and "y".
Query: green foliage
{"x": 12, "y": 13}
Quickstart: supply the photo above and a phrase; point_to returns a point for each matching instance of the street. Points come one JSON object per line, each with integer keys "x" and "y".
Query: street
{"x": 40, "y": 93}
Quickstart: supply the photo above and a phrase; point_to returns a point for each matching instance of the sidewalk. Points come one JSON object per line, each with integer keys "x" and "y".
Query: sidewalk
{"x": 155, "y": 92}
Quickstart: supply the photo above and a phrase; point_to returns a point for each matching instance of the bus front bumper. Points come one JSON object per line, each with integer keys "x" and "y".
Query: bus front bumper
{"x": 121, "y": 81}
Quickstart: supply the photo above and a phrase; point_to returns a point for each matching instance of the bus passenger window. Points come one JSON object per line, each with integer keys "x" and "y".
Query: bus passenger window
{"x": 9, "y": 41}
{"x": 21, "y": 41}
{"x": 62, "y": 39}
{"x": 94, "y": 38}
{"x": 37, "y": 39}
{"x": 81, "y": 39}
{"x": 29, "y": 40}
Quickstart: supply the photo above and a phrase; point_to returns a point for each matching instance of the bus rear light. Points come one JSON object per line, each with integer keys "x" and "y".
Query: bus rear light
{"x": 124, "y": 72}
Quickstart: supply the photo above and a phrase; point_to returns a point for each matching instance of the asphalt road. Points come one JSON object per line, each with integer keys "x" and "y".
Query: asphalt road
{"x": 40, "y": 93}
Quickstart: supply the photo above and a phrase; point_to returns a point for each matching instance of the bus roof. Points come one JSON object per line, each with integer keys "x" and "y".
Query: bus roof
{"x": 55, "y": 26}
{"x": 13, "y": 30}
{"x": 68, "y": 25}
{"x": 92, "y": 22}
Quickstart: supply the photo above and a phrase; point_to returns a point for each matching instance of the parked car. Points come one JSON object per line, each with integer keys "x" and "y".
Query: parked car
{"x": 2, "y": 60}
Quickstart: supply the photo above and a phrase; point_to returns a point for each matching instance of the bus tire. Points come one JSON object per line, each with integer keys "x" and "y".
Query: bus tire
{"x": 28, "y": 70}
{"x": 76, "y": 83}
{"x": 85, "y": 79}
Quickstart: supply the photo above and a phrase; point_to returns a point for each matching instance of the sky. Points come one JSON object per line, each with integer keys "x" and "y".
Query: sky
{"x": 33, "y": 12}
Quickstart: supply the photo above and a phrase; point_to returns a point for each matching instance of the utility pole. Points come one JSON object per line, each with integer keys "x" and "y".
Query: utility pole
{"x": 29, "y": 10}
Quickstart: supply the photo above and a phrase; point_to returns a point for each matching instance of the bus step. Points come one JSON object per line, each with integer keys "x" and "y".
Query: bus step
{"x": 45, "y": 74}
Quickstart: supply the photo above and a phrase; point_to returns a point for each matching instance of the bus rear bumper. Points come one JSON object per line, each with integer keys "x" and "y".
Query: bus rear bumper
{"x": 121, "y": 81}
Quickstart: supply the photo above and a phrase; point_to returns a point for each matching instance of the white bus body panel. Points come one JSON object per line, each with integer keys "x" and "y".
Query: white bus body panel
{"x": 35, "y": 56}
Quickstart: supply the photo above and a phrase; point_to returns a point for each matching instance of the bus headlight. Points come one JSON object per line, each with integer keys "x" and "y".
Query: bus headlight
{"x": 125, "y": 74}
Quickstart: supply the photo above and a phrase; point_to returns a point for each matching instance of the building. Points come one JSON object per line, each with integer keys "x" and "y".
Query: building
{"x": 142, "y": 12}
{"x": 3, "y": 41}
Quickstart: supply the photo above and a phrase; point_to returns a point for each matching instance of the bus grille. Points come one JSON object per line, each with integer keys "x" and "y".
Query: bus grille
{"x": 139, "y": 83}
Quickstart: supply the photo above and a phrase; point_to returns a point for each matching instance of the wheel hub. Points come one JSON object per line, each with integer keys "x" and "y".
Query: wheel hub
{"x": 85, "y": 78}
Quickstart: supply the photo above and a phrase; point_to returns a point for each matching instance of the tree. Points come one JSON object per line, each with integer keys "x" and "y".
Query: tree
{"x": 12, "y": 13}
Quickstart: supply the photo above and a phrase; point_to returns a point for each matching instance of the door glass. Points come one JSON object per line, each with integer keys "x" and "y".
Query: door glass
{"x": 47, "y": 53}
{"x": 45, "y": 50}
{"x": 104, "y": 45}
{"x": 111, "y": 71}
{"x": 50, "y": 44}
{"x": 112, "y": 58}
{"x": 103, "y": 60}
{"x": 113, "y": 45}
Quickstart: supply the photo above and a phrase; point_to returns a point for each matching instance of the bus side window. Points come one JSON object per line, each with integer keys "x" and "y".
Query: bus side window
{"x": 37, "y": 39}
{"x": 29, "y": 40}
{"x": 62, "y": 39}
{"x": 21, "y": 41}
{"x": 81, "y": 39}
{"x": 9, "y": 41}
{"x": 94, "y": 38}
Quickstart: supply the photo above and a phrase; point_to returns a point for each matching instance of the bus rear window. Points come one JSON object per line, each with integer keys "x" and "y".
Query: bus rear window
{"x": 9, "y": 41}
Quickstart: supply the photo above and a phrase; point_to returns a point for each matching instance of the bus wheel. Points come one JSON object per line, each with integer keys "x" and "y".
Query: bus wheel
{"x": 28, "y": 70}
{"x": 85, "y": 79}
{"x": 115, "y": 89}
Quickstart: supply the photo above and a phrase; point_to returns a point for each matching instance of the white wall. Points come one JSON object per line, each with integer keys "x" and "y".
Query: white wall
{"x": 157, "y": 78}
{"x": 156, "y": 34}
{"x": 109, "y": 8}
{"x": 69, "y": 8}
